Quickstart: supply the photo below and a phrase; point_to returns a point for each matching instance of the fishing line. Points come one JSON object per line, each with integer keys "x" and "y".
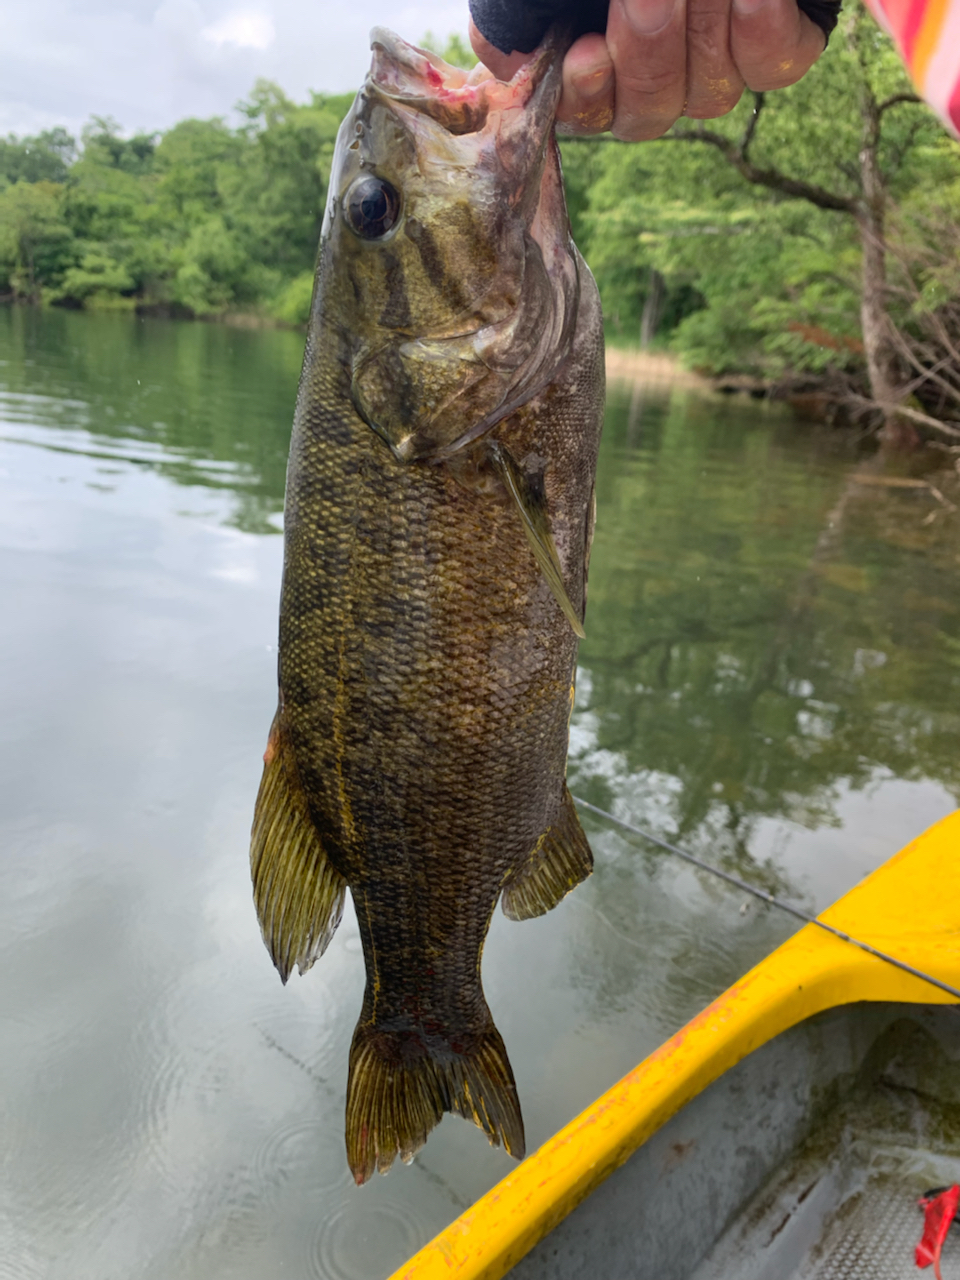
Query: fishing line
{"x": 769, "y": 898}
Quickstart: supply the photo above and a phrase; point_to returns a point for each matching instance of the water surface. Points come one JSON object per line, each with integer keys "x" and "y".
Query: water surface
{"x": 770, "y": 675}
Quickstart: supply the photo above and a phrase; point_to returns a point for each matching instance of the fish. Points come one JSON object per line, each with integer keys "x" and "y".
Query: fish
{"x": 438, "y": 519}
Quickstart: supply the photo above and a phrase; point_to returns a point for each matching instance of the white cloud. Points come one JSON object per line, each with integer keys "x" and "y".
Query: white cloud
{"x": 244, "y": 29}
{"x": 178, "y": 18}
{"x": 149, "y": 63}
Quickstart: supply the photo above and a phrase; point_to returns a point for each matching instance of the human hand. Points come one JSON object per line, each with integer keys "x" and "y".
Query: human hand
{"x": 662, "y": 59}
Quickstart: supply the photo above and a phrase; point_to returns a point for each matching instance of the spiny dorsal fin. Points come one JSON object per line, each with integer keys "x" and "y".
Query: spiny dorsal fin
{"x": 560, "y": 860}
{"x": 297, "y": 892}
{"x": 536, "y": 526}
{"x": 401, "y": 1083}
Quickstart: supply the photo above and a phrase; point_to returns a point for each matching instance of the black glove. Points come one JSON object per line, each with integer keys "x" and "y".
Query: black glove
{"x": 521, "y": 24}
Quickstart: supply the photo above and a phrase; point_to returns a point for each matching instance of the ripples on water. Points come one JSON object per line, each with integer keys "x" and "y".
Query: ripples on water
{"x": 782, "y": 699}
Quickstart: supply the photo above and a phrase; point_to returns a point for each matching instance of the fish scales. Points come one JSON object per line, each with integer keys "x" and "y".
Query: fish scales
{"x": 426, "y": 664}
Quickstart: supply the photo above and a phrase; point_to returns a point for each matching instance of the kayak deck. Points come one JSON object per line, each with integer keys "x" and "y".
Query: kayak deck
{"x": 870, "y": 1236}
{"x": 844, "y": 1205}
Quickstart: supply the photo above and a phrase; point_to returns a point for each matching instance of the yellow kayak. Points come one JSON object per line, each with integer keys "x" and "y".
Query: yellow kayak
{"x": 787, "y": 1131}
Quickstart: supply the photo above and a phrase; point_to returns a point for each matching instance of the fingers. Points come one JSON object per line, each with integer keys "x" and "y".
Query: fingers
{"x": 648, "y": 48}
{"x": 662, "y": 59}
{"x": 714, "y": 84}
{"x": 587, "y": 103}
{"x": 773, "y": 43}
{"x": 503, "y": 65}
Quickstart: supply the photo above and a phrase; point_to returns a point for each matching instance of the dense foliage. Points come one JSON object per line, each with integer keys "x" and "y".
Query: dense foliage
{"x": 757, "y": 278}
{"x": 197, "y": 220}
{"x": 733, "y": 274}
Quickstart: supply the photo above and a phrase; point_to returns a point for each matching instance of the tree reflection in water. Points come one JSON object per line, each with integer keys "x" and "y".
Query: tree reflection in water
{"x": 755, "y": 683}
{"x": 764, "y": 629}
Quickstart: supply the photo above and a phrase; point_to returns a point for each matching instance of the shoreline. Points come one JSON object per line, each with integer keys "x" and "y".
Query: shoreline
{"x": 621, "y": 362}
{"x": 652, "y": 366}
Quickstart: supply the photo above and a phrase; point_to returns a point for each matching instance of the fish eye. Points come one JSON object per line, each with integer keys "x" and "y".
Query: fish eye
{"x": 372, "y": 207}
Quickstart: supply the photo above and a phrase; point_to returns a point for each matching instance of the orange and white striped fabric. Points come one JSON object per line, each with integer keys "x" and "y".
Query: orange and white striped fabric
{"x": 927, "y": 33}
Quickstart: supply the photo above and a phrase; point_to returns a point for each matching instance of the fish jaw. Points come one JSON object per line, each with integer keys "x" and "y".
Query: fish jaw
{"x": 464, "y": 309}
{"x": 522, "y": 109}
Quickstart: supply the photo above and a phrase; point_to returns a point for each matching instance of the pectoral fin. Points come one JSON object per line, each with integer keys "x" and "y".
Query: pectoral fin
{"x": 560, "y": 860}
{"x": 297, "y": 892}
{"x": 533, "y": 516}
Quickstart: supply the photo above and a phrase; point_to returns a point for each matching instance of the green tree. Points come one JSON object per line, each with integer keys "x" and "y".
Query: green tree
{"x": 854, "y": 164}
{"x": 103, "y": 142}
{"x": 780, "y": 218}
{"x": 107, "y": 203}
{"x": 204, "y": 218}
{"x": 43, "y": 158}
{"x": 213, "y": 268}
{"x": 188, "y": 163}
{"x": 35, "y": 240}
{"x": 276, "y": 195}
{"x": 97, "y": 277}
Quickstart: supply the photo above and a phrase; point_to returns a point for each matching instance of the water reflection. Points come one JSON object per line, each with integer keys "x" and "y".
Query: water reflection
{"x": 766, "y": 635}
{"x": 201, "y": 404}
{"x": 780, "y": 699}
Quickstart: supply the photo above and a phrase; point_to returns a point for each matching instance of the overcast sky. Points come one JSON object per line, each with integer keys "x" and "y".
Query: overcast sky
{"x": 149, "y": 63}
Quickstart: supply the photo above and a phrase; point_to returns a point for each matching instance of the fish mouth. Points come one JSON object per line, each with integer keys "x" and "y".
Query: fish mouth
{"x": 409, "y": 71}
{"x": 462, "y": 100}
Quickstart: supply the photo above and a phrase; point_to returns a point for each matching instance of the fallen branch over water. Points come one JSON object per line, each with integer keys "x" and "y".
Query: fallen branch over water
{"x": 889, "y": 407}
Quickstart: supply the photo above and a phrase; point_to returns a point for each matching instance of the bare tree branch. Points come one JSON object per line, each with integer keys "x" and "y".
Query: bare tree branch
{"x": 895, "y": 100}
{"x": 771, "y": 178}
{"x": 944, "y": 502}
{"x": 927, "y": 369}
{"x": 951, "y": 429}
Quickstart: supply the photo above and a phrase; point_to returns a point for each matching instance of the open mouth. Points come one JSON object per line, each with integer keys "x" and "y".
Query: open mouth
{"x": 459, "y": 100}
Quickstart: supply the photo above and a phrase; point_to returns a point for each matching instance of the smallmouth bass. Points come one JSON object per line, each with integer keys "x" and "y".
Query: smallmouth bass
{"x": 439, "y": 513}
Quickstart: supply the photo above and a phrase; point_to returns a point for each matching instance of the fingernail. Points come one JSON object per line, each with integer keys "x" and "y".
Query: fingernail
{"x": 747, "y": 7}
{"x": 647, "y": 17}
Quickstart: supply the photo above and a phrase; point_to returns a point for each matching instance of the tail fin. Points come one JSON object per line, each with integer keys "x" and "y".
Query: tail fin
{"x": 401, "y": 1083}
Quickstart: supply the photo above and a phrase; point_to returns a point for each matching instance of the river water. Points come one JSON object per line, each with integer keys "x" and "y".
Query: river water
{"x": 771, "y": 675}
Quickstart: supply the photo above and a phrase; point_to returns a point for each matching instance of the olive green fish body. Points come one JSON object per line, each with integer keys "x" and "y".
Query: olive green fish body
{"x": 426, "y": 665}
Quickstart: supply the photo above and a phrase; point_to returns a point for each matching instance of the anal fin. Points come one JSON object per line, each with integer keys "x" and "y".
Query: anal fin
{"x": 559, "y": 861}
{"x": 297, "y": 892}
{"x": 532, "y": 510}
